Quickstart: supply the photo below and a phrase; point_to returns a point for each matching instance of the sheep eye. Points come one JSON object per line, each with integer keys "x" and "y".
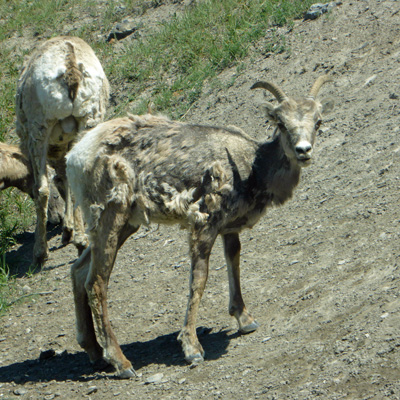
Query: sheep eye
{"x": 318, "y": 124}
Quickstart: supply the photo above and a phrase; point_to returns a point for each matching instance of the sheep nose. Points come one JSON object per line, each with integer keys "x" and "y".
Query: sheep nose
{"x": 304, "y": 149}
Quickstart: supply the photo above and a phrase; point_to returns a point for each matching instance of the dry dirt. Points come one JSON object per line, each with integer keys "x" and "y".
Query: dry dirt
{"x": 321, "y": 274}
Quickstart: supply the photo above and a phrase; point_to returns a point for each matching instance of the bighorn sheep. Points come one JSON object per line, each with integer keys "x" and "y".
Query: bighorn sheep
{"x": 61, "y": 91}
{"x": 16, "y": 171}
{"x": 140, "y": 169}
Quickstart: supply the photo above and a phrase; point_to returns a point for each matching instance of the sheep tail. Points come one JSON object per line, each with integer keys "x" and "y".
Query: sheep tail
{"x": 122, "y": 179}
{"x": 72, "y": 75}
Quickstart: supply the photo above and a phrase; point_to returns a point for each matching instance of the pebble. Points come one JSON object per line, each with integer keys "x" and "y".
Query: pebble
{"x": 20, "y": 391}
{"x": 26, "y": 289}
{"x": 156, "y": 378}
{"x": 92, "y": 389}
{"x": 122, "y": 30}
{"x": 316, "y": 10}
{"x": 370, "y": 80}
{"x": 46, "y": 354}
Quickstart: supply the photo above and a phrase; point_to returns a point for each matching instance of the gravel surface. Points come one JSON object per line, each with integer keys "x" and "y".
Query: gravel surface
{"x": 321, "y": 274}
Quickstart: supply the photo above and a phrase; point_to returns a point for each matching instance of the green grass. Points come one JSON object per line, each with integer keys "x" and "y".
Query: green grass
{"x": 195, "y": 47}
{"x": 167, "y": 67}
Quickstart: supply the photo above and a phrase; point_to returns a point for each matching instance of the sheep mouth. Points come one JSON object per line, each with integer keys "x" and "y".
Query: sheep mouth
{"x": 304, "y": 161}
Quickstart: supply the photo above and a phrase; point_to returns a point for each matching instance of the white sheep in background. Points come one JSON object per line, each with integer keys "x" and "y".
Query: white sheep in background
{"x": 62, "y": 90}
{"x": 212, "y": 181}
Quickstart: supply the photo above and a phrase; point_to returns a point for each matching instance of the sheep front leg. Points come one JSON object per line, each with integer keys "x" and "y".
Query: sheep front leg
{"x": 237, "y": 308}
{"x": 200, "y": 249}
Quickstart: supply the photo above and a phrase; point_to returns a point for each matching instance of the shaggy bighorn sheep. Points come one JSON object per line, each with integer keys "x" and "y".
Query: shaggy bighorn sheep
{"x": 62, "y": 90}
{"x": 16, "y": 171}
{"x": 132, "y": 171}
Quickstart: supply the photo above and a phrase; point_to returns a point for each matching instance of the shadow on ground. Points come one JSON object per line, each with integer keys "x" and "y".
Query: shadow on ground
{"x": 163, "y": 350}
{"x": 19, "y": 260}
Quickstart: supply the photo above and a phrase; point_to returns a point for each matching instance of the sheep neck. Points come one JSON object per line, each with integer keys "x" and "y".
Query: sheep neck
{"x": 274, "y": 176}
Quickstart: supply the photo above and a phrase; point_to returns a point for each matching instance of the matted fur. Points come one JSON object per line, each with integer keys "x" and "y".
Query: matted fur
{"x": 211, "y": 180}
{"x": 62, "y": 90}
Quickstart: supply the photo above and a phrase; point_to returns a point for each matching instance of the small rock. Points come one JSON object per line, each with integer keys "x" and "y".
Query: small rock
{"x": 370, "y": 80}
{"x": 181, "y": 381}
{"x": 203, "y": 330}
{"x": 156, "y": 378}
{"x": 46, "y": 354}
{"x": 122, "y": 30}
{"x": 267, "y": 339}
{"x": 92, "y": 389}
{"x": 20, "y": 391}
{"x": 26, "y": 289}
{"x": 316, "y": 10}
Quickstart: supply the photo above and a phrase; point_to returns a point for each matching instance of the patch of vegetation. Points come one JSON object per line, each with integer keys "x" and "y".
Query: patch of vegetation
{"x": 194, "y": 47}
{"x": 167, "y": 67}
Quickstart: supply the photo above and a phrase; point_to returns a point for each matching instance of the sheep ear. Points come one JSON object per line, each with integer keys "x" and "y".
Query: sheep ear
{"x": 327, "y": 106}
{"x": 269, "y": 111}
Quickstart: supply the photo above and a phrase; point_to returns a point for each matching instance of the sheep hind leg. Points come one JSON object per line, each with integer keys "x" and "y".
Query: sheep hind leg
{"x": 86, "y": 335}
{"x": 201, "y": 244}
{"x": 112, "y": 229}
{"x": 237, "y": 307}
{"x": 37, "y": 155}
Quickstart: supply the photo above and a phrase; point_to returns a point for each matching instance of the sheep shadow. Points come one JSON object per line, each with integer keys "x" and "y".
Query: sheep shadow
{"x": 163, "y": 350}
{"x": 19, "y": 260}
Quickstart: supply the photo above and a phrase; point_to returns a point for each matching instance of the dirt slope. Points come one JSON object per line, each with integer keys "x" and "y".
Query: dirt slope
{"x": 321, "y": 274}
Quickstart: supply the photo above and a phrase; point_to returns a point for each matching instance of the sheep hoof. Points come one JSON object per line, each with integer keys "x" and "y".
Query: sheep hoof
{"x": 127, "y": 373}
{"x": 81, "y": 248}
{"x": 40, "y": 260}
{"x": 66, "y": 236}
{"x": 249, "y": 328}
{"x": 194, "y": 359}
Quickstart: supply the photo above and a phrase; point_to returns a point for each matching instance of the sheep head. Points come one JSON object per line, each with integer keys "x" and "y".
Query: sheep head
{"x": 297, "y": 120}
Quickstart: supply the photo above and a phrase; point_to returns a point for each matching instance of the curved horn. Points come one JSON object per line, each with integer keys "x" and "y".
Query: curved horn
{"x": 317, "y": 85}
{"x": 275, "y": 90}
